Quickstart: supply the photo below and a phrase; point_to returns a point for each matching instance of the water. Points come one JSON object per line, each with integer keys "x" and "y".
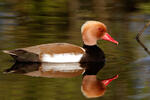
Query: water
{"x": 25, "y": 23}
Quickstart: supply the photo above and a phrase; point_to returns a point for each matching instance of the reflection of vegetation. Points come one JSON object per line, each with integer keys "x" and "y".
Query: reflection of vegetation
{"x": 144, "y": 7}
{"x": 40, "y": 19}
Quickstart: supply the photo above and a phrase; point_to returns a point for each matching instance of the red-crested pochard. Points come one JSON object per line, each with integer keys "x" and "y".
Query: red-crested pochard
{"x": 65, "y": 52}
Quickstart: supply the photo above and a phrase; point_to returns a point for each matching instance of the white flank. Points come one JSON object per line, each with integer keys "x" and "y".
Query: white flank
{"x": 63, "y": 67}
{"x": 61, "y": 58}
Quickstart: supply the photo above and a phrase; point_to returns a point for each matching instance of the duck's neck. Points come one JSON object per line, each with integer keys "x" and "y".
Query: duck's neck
{"x": 89, "y": 46}
{"x": 90, "y": 43}
{"x": 89, "y": 39}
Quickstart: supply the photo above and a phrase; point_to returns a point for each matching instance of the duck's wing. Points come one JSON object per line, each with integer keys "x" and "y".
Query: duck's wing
{"x": 54, "y": 52}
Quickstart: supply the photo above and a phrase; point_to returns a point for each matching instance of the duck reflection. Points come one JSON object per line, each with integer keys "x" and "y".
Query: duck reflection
{"x": 91, "y": 86}
{"x": 47, "y": 69}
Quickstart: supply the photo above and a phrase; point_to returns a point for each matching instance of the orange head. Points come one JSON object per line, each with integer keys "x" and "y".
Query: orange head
{"x": 93, "y": 31}
{"x": 92, "y": 87}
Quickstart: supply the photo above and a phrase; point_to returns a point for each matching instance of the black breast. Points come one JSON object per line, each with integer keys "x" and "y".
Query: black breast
{"x": 93, "y": 54}
{"x": 92, "y": 68}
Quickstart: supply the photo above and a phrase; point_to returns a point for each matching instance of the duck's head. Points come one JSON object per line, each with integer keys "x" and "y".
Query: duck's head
{"x": 92, "y": 87}
{"x": 93, "y": 31}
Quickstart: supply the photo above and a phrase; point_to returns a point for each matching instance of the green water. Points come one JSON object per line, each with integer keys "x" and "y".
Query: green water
{"x": 31, "y": 22}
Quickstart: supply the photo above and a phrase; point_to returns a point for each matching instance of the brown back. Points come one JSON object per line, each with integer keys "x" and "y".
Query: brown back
{"x": 55, "y": 48}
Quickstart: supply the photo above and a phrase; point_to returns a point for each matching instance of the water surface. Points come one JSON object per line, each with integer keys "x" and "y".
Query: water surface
{"x": 26, "y": 23}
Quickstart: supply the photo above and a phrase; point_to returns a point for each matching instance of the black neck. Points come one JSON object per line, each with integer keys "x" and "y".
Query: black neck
{"x": 93, "y": 54}
{"x": 92, "y": 68}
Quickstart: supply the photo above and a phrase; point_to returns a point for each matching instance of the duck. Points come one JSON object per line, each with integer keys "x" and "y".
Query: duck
{"x": 91, "y": 32}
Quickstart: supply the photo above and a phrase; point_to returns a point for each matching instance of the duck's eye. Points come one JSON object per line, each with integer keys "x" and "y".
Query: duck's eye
{"x": 101, "y": 30}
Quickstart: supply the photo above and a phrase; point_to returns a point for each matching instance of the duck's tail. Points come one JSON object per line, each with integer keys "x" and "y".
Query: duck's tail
{"x": 9, "y": 52}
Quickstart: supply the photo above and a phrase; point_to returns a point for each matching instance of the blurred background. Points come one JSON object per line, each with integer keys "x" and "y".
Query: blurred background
{"x": 31, "y": 22}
